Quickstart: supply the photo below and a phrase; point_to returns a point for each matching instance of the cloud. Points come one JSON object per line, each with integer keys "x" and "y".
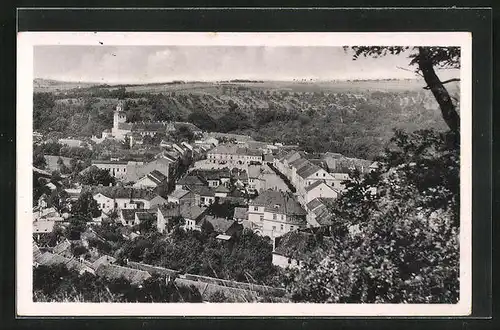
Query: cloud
{"x": 128, "y": 64}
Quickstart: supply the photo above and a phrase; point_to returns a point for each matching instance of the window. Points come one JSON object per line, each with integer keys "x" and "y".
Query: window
{"x": 125, "y": 205}
{"x": 292, "y": 227}
{"x": 261, "y": 218}
{"x": 255, "y": 208}
{"x": 274, "y": 228}
{"x": 274, "y": 216}
{"x": 317, "y": 174}
{"x": 324, "y": 174}
{"x": 282, "y": 227}
{"x": 289, "y": 261}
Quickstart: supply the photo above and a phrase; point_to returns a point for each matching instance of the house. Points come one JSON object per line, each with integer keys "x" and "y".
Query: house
{"x": 49, "y": 259}
{"x": 240, "y": 214}
{"x": 204, "y": 195}
{"x": 221, "y": 191}
{"x": 178, "y": 195}
{"x": 274, "y": 213}
{"x": 309, "y": 173}
{"x": 116, "y": 168}
{"x": 219, "y": 225}
{"x": 232, "y": 154}
{"x": 43, "y": 226}
{"x": 320, "y": 189}
{"x": 164, "y": 165}
{"x": 114, "y": 198}
{"x": 191, "y": 213}
{"x": 190, "y": 181}
{"x": 154, "y": 180}
{"x": 318, "y": 212}
{"x": 132, "y": 217}
{"x": 73, "y": 193}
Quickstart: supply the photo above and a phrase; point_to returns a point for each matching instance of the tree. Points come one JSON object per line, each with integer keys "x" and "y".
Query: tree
{"x": 85, "y": 207}
{"x": 184, "y": 133}
{"x": 400, "y": 237}
{"x": 426, "y": 59}
{"x": 39, "y": 160}
{"x": 95, "y": 176}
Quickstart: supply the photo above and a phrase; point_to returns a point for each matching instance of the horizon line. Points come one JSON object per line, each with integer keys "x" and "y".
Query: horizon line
{"x": 219, "y": 80}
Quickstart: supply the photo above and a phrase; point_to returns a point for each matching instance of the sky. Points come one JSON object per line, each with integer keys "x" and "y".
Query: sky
{"x": 149, "y": 64}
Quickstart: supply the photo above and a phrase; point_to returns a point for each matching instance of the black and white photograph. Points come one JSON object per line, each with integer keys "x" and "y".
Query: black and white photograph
{"x": 264, "y": 171}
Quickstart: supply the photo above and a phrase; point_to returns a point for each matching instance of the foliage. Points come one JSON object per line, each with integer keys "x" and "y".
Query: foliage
{"x": 95, "y": 176}
{"x": 39, "y": 160}
{"x": 85, "y": 206}
{"x": 246, "y": 258}
{"x": 426, "y": 59}
{"x": 406, "y": 249}
{"x": 47, "y": 286}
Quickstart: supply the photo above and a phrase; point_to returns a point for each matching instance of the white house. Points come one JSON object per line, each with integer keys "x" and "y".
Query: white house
{"x": 153, "y": 179}
{"x": 319, "y": 189}
{"x": 191, "y": 213}
{"x": 114, "y": 198}
{"x": 274, "y": 213}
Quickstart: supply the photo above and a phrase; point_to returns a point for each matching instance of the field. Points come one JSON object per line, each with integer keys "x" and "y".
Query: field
{"x": 43, "y": 85}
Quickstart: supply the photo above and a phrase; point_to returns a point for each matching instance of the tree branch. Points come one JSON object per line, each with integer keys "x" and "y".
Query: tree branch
{"x": 445, "y": 82}
{"x": 410, "y": 71}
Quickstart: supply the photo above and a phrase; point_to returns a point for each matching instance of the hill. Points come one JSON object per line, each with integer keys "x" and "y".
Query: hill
{"x": 351, "y": 117}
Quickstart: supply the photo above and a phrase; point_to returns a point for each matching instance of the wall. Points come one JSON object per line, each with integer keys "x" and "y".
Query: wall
{"x": 284, "y": 262}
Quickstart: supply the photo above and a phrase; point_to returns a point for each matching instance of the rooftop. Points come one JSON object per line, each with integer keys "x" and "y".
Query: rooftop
{"x": 122, "y": 192}
{"x": 156, "y": 176}
{"x": 279, "y": 202}
{"x": 134, "y": 276}
{"x": 220, "y": 225}
{"x": 240, "y": 213}
{"x": 185, "y": 210}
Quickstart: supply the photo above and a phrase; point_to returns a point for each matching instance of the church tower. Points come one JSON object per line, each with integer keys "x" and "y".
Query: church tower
{"x": 119, "y": 115}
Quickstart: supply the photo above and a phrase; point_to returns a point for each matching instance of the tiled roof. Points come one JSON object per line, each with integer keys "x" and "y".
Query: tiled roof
{"x": 240, "y": 213}
{"x": 185, "y": 210}
{"x": 202, "y": 190}
{"x": 143, "y": 216}
{"x": 323, "y": 215}
{"x": 222, "y": 189}
{"x": 43, "y": 226}
{"x": 49, "y": 259}
{"x": 275, "y": 201}
{"x": 105, "y": 259}
{"x": 179, "y": 193}
{"x": 129, "y": 214}
{"x": 61, "y": 247}
{"x": 317, "y": 183}
{"x": 124, "y": 192}
{"x": 157, "y": 176}
{"x": 134, "y": 276}
{"x": 191, "y": 180}
{"x": 220, "y": 225}
{"x": 314, "y": 204}
{"x": 307, "y": 170}
{"x": 110, "y": 162}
